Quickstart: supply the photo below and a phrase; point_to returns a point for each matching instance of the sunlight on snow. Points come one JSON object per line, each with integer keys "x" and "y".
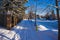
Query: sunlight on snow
{"x": 19, "y": 27}
{"x": 25, "y": 19}
{"x": 7, "y": 33}
{"x": 54, "y": 30}
{"x": 42, "y": 28}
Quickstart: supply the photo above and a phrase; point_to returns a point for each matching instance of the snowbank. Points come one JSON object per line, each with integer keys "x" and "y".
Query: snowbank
{"x": 43, "y": 28}
{"x": 8, "y": 35}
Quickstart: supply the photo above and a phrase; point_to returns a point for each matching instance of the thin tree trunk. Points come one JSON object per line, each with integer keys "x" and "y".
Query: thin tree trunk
{"x": 57, "y": 10}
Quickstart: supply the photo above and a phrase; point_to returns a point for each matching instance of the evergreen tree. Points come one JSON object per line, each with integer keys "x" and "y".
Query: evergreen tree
{"x": 15, "y": 6}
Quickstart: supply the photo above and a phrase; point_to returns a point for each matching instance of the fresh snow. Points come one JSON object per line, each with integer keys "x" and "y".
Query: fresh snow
{"x": 47, "y": 30}
{"x": 8, "y": 35}
{"x": 42, "y": 28}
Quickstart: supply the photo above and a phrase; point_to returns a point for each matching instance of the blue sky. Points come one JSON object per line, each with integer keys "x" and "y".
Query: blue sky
{"x": 41, "y": 5}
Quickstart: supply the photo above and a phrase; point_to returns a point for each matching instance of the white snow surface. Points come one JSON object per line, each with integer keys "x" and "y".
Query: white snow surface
{"x": 42, "y": 28}
{"x": 27, "y": 31}
{"x": 8, "y": 35}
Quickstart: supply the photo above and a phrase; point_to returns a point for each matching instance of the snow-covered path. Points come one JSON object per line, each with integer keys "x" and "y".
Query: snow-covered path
{"x": 26, "y": 30}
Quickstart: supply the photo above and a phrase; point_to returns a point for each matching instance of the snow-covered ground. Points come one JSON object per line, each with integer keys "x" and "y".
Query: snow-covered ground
{"x": 47, "y": 30}
{"x": 8, "y": 35}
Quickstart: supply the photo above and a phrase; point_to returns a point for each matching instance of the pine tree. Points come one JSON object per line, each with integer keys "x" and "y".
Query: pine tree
{"x": 13, "y": 11}
{"x": 16, "y": 6}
